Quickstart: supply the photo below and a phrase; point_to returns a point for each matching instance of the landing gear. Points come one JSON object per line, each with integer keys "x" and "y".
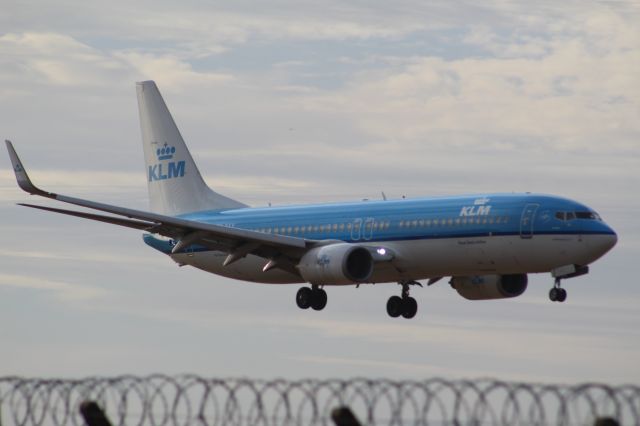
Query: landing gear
{"x": 405, "y": 305}
{"x": 314, "y": 298}
{"x": 557, "y": 293}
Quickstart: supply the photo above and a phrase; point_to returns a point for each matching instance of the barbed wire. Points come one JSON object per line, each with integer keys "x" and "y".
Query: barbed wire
{"x": 192, "y": 400}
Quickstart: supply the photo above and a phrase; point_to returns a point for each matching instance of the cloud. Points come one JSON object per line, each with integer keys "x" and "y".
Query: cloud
{"x": 60, "y": 60}
{"x": 173, "y": 72}
{"x": 55, "y": 59}
{"x": 80, "y": 256}
{"x": 292, "y": 101}
{"x": 62, "y": 290}
{"x": 569, "y": 100}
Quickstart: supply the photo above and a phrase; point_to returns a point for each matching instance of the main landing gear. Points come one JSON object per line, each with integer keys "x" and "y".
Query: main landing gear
{"x": 314, "y": 298}
{"x": 405, "y": 305}
{"x": 557, "y": 293}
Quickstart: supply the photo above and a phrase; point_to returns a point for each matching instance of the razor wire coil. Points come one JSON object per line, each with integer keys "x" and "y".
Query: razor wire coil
{"x": 161, "y": 400}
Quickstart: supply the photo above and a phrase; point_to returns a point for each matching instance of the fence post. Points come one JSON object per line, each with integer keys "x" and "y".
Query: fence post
{"x": 93, "y": 414}
{"x": 606, "y": 421}
{"x": 343, "y": 416}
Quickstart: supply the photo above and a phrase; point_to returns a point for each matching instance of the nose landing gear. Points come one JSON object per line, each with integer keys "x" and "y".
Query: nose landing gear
{"x": 314, "y": 298}
{"x": 404, "y": 305}
{"x": 557, "y": 293}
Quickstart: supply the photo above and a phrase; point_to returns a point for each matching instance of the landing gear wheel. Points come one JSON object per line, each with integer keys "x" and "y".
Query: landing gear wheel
{"x": 394, "y": 306}
{"x": 409, "y": 307}
{"x": 318, "y": 299}
{"x": 562, "y": 295}
{"x": 404, "y": 305}
{"x": 304, "y": 298}
{"x": 557, "y": 293}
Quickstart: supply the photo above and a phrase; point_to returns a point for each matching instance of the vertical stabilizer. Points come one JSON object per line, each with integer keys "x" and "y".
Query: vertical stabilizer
{"x": 174, "y": 182}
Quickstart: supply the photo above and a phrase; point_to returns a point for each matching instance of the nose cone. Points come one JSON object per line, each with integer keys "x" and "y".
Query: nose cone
{"x": 602, "y": 243}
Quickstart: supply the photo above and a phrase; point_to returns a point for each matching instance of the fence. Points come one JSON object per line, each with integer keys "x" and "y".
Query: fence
{"x": 192, "y": 400}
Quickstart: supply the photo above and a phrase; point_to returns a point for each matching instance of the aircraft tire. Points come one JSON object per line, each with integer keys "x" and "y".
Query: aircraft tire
{"x": 394, "y": 306}
{"x": 553, "y": 294}
{"x": 318, "y": 299}
{"x": 562, "y": 295}
{"x": 304, "y": 298}
{"x": 409, "y": 307}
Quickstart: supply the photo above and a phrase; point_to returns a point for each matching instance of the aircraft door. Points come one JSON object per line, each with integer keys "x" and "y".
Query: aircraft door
{"x": 356, "y": 229}
{"x": 367, "y": 232}
{"x": 527, "y": 219}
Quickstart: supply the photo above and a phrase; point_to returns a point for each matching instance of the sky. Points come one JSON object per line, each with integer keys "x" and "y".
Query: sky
{"x": 291, "y": 102}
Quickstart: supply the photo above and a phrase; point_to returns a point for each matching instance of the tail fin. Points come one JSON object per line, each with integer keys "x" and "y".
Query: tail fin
{"x": 174, "y": 182}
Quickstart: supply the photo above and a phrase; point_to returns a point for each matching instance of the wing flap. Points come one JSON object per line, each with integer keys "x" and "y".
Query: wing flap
{"x": 129, "y": 223}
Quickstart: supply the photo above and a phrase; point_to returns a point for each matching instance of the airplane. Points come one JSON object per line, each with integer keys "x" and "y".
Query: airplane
{"x": 486, "y": 243}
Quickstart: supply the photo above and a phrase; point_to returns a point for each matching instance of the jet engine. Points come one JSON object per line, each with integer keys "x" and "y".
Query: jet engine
{"x": 340, "y": 263}
{"x": 484, "y": 287}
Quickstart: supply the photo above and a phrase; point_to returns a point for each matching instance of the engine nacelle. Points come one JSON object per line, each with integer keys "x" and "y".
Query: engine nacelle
{"x": 340, "y": 263}
{"x": 484, "y": 287}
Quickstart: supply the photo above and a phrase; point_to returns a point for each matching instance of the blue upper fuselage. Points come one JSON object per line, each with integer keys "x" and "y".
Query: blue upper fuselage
{"x": 419, "y": 218}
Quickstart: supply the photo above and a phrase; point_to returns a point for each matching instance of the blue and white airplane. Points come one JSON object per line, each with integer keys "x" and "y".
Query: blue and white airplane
{"x": 486, "y": 243}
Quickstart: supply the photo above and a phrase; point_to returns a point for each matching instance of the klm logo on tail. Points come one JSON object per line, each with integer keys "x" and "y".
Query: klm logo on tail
{"x": 169, "y": 170}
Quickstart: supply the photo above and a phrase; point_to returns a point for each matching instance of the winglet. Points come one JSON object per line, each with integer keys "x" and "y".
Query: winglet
{"x": 21, "y": 174}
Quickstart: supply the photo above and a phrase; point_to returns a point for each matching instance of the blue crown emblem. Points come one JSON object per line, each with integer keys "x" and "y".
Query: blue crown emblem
{"x": 166, "y": 152}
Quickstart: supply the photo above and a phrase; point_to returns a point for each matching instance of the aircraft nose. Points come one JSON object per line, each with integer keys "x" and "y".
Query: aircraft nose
{"x": 604, "y": 242}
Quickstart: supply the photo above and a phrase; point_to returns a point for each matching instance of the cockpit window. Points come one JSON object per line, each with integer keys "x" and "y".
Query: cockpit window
{"x": 587, "y": 215}
{"x": 577, "y": 215}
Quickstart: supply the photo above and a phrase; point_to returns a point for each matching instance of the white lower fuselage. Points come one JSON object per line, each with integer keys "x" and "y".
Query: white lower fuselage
{"x": 429, "y": 258}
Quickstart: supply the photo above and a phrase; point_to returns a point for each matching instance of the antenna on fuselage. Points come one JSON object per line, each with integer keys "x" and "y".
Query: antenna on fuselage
{"x": 384, "y": 196}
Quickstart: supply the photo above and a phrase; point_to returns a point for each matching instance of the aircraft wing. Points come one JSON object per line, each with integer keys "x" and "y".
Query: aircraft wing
{"x": 282, "y": 250}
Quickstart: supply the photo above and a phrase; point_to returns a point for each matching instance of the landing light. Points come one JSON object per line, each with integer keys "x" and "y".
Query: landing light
{"x": 381, "y": 251}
